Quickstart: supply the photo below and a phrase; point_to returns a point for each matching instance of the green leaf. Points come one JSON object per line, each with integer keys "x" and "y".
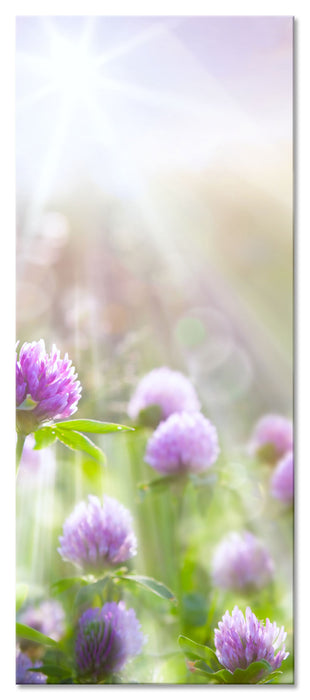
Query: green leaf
{"x": 271, "y": 677}
{"x": 152, "y": 585}
{"x": 254, "y": 673}
{"x": 91, "y": 426}
{"x": 56, "y": 673}
{"x": 194, "y": 651}
{"x": 44, "y": 437}
{"x": 257, "y": 672}
{"x": 77, "y": 441}
{"x": 64, "y": 583}
{"x": 21, "y": 594}
{"x": 160, "y": 484}
{"x": 87, "y": 593}
{"x": 33, "y": 635}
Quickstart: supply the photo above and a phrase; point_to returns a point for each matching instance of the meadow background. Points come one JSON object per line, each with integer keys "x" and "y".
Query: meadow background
{"x": 154, "y": 227}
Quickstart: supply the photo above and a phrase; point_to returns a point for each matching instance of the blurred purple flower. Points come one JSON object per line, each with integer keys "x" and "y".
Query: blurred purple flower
{"x": 166, "y": 388}
{"x": 239, "y": 641}
{"x": 49, "y": 381}
{"x": 98, "y": 536}
{"x": 25, "y": 677}
{"x": 48, "y": 618}
{"x": 272, "y": 431}
{"x": 282, "y": 481}
{"x": 107, "y": 638}
{"x": 184, "y": 442}
{"x": 37, "y": 467}
{"x": 241, "y": 561}
{"x": 31, "y": 459}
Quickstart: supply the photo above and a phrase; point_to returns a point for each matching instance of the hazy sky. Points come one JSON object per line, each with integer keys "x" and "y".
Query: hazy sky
{"x": 167, "y": 92}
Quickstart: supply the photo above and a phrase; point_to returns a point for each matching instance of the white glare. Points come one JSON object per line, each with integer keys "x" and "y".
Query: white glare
{"x": 72, "y": 69}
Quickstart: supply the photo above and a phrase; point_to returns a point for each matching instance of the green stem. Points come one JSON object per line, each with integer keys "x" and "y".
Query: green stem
{"x": 19, "y": 449}
{"x": 177, "y": 504}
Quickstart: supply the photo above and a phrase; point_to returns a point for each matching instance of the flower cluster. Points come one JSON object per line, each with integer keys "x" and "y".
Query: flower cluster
{"x": 48, "y": 618}
{"x": 98, "y": 536}
{"x": 107, "y": 638}
{"x": 166, "y": 388}
{"x": 49, "y": 381}
{"x": 241, "y": 562}
{"x": 23, "y": 675}
{"x": 273, "y": 431}
{"x": 282, "y": 480}
{"x": 184, "y": 442}
{"x": 241, "y": 640}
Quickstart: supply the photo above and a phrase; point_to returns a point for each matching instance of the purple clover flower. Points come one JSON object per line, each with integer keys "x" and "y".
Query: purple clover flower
{"x": 282, "y": 480}
{"x": 47, "y": 618}
{"x": 272, "y": 431}
{"x": 25, "y": 677}
{"x": 241, "y": 562}
{"x": 184, "y": 442}
{"x": 166, "y": 388}
{"x": 107, "y": 638}
{"x": 96, "y": 537}
{"x": 49, "y": 381}
{"x": 241, "y": 640}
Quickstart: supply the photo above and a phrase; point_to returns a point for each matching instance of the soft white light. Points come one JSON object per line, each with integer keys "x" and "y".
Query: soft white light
{"x": 72, "y": 69}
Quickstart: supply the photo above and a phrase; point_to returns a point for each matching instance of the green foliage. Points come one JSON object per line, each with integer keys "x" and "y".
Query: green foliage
{"x": 21, "y": 594}
{"x": 194, "y": 609}
{"x": 33, "y": 635}
{"x": 65, "y": 583}
{"x": 87, "y": 594}
{"x": 44, "y": 436}
{"x": 172, "y": 670}
{"x": 203, "y": 660}
{"x": 68, "y": 432}
{"x": 55, "y": 674}
{"x": 78, "y": 441}
{"x": 194, "y": 651}
{"x": 257, "y": 673}
{"x": 152, "y": 585}
{"x": 158, "y": 485}
{"x": 91, "y": 426}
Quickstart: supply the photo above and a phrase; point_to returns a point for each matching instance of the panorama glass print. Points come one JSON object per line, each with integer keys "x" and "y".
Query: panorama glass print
{"x": 154, "y": 367}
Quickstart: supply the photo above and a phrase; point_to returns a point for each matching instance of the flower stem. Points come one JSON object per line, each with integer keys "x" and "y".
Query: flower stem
{"x": 19, "y": 449}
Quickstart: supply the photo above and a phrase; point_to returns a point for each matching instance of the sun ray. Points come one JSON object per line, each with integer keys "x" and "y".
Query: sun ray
{"x": 135, "y": 180}
{"x": 35, "y": 97}
{"x": 50, "y": 165}
{"x": 155, "y": 97}
{"x": 35, "y": 62}
{"x": 139, "y": 39}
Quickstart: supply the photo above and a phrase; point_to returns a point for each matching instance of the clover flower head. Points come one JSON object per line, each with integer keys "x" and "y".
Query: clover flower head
{"x": 96, "y": 537}
{"x": 166, "y": 388}
{"x": 273, "y": 431}
{"x": 183, "y": 442}
{"x": 282, "y": 480}
{"x": 23, "y": 675}
{"x": 241, "y": 561}
{"x": 47, "y": 618}
{"x": 107, "y": 638}
{"x": 49, "y": 381}
{"x": 241, "y": 640}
